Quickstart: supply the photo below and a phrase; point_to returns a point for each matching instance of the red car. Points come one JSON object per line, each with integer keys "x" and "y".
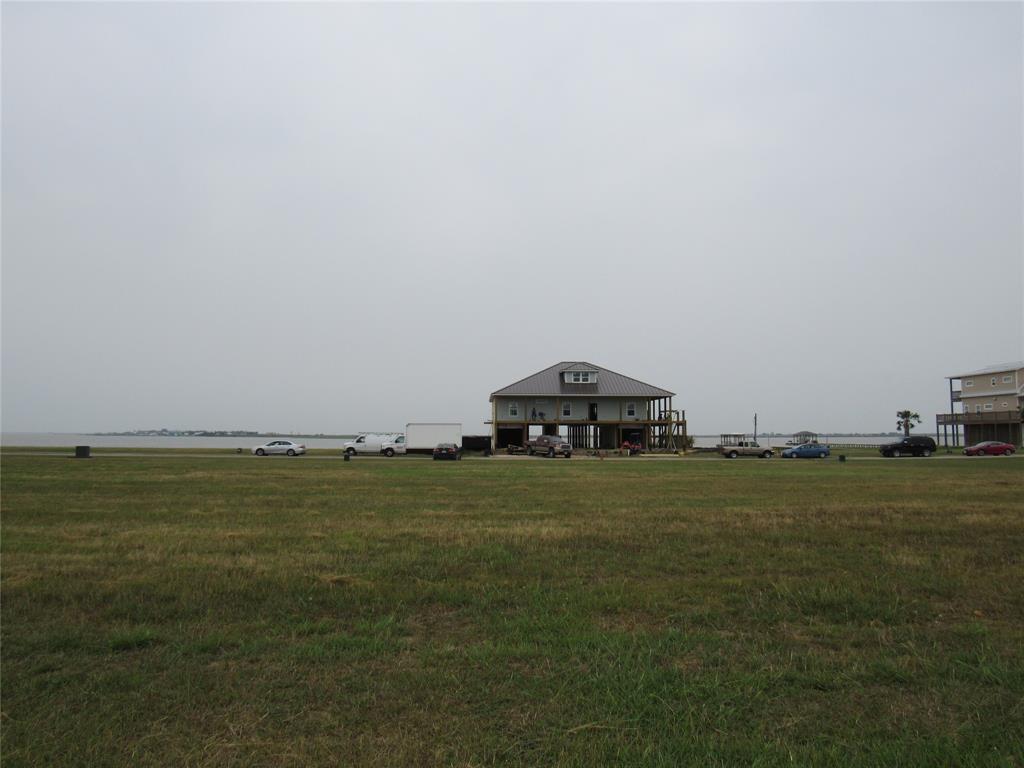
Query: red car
{"x": 989, "y": 448}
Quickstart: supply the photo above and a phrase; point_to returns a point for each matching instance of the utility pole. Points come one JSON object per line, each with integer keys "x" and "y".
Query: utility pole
{"x": 755, "y": 427}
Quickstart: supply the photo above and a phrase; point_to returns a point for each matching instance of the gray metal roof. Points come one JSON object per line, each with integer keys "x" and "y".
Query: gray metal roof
{"x": 549, "y": 383}
{"x": 1002, "y": 368}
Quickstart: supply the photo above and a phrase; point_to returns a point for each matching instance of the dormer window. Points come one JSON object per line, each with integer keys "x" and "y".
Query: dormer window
{"x": 581, "y": 377}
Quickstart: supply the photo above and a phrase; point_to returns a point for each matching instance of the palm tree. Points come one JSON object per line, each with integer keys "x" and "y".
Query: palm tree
{"x": 906, "y": 420}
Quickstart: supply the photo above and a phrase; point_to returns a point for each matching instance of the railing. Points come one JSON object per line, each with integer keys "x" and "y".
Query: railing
{"x": 985, "y": 417}
{"x": 547, "y": 418}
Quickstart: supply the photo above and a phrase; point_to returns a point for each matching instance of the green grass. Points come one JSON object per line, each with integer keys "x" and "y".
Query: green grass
{"x": 503, "y": 612}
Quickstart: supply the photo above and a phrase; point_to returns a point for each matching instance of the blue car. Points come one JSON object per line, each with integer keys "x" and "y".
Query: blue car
{"x": 806, "y": 451}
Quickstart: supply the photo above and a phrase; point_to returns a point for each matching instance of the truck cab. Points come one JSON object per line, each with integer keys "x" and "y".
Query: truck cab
{"x": 394, "y": 446}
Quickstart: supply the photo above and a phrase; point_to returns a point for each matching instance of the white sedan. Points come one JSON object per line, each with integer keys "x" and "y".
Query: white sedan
{"x": 286, "y": 447}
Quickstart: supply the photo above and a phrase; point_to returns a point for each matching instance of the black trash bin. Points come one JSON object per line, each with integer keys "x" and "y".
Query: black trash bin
{"x": 81, "y": 451}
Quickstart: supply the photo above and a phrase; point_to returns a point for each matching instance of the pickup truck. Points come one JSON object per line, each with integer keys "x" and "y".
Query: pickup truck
{"x": 733, "y": 446}
{"x": 549, "y": 445}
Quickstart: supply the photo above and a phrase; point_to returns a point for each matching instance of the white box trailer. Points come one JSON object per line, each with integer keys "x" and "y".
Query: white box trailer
{"x": 421, "y": 438}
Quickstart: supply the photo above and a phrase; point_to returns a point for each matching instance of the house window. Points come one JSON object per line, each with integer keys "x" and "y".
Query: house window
{"x": 582, "y": 377}
{"x": 513, "y": 410}
{"x": 567, "y": 409}
{"x": 631, "y": 410}
{"x": 969, "y": 383}
{"x": 993, "y": 381}
{"x": 1007, "y": 379}
{"x": 988, "y": 406}
{"x": 977, "y": 408}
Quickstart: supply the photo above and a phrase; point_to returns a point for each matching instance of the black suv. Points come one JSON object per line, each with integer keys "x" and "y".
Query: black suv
{"x": 916, "y": 445}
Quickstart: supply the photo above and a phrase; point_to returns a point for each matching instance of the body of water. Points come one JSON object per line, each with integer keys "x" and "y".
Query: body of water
{"x": 710, "y": 441}
{"x": 60, "y": 440}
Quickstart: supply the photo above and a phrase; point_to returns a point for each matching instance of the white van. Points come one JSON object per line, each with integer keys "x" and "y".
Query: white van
{"x": 366, "y": 443}
{"x": 394, "y": 446}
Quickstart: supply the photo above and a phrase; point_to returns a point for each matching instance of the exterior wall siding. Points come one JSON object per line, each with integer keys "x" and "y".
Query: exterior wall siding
{"x": 1013, "y": 403}
{"x": 981, "y": 386}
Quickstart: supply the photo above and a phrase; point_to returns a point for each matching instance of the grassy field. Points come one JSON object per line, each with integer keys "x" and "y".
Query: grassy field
{"x": 247, "y": 612}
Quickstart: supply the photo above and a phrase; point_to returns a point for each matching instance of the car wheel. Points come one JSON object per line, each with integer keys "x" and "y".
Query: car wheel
{"x": 766, "y": 455}
{"x": 291, "y": 451}
{"x": 822, "y": 455}
{"x": 389, "y": 452}
{"x": 569, "y": 455}
{"x": 733, "y": 454}
{"x": 895, "y": 454}
{"x": 926, "y": 453}
{"x": 551, "y": 453}
{"x": 260, "y": 452}
{"x": 529, "y": 451}
{"x": 350, "y": 451}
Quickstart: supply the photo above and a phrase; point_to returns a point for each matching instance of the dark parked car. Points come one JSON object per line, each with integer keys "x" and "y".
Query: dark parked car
{"x": 806, "y": 451}
{"x": 447, "y": 451}
{"x": 989, "y": 448}
{"x": 915, "y": 445}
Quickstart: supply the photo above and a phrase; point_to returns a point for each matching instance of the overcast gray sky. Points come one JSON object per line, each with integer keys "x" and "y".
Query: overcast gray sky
{"x": 347, "y": 217}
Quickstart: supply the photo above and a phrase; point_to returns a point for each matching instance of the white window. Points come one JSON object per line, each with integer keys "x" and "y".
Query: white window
{"x": 1007, "y": 379}
{"x": 631, "y": 409}
{"x": 969, "y": 383}
{"x": 977, "y": 408}
{"x": 988, "y": 406}
{"x": 583, "y": 377}
{"x": 567, "y": 409}
{"x": 513, "y": 409}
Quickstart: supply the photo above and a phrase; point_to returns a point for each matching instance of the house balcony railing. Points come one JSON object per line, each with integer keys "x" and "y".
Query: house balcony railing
{"x": 543, "y": 417}
{"x": 569, "y": 422}
{"x": 985, "y": 417}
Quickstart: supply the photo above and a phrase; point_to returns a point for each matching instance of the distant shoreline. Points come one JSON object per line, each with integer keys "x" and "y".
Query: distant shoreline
{"x": 149, "y": 433}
